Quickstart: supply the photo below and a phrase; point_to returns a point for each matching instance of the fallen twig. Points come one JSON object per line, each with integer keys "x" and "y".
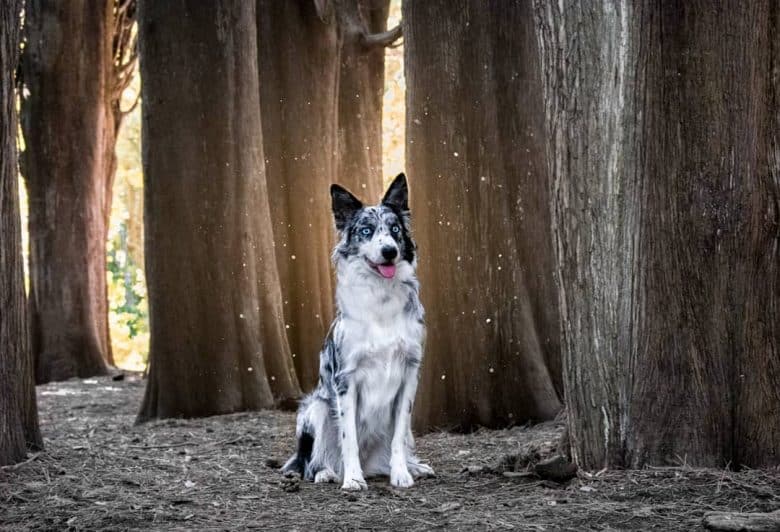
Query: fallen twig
{"x": 13, "y": 467}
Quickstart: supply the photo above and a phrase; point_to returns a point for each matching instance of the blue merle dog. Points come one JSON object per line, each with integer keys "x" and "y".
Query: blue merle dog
{"x": 357, "y": 422}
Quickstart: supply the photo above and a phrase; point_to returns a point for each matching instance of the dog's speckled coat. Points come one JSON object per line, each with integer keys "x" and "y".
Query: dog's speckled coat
{"x": 357, "y": 422}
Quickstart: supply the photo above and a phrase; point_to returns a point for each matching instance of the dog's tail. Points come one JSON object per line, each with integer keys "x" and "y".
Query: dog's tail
{"x": 298, "y": 462}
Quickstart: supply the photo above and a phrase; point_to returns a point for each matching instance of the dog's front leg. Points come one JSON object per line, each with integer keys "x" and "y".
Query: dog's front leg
{"x": 399, "y": 471}
{"x": 350, "y": 453}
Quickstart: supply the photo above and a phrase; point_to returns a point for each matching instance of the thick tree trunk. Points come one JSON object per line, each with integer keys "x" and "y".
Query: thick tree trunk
{"x": 218, "y": 342}
{"x": 663, "y": 125}
{"x": 361, "y": 90}
{"x": 475, "y": 155}
{"x": 298, "y": 66}
{"x": 69, "y": 133}
{"x": 18, "y": 415}
{"x": 321, "y": 69}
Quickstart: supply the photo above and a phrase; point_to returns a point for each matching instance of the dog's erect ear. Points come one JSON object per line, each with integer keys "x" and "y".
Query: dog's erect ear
{"x": 345, "y": 205}
{"x": 397, "y": 195}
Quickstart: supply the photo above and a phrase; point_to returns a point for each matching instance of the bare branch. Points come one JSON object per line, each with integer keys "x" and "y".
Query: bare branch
{"x": 384, "y": 39}
{"x": 125, "y": 54}
{"x": 124, "y": 112}
{"x": 121, "y": 7}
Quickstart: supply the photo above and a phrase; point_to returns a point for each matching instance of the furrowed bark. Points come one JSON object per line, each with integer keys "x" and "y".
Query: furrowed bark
{"x": 662, "y": 139}
{"x": 18, "y": 414}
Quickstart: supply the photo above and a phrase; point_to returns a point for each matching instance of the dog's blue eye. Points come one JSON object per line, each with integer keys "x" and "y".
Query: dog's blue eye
{"x": 395, "y": 229}
{"x": 365, "y": 231}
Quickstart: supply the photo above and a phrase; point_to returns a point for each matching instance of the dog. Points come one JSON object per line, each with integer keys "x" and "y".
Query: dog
{"x": 357, "y": 422}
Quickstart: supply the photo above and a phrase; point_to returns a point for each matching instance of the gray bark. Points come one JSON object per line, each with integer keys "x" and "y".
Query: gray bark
{"x": 662, "y": 128}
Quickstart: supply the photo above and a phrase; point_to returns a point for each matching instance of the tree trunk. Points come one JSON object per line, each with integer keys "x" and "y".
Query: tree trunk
{"x": 321, "y": 83}
{"x": 298, "y": 66}
{"x": 663, "y": 146}
{"x": 361, "y": 90}
{"x": 69, "y": 132}
{"x": 217, "y": 337}
{"x": 475, "y": 155}
{"x": 18, "y": 415}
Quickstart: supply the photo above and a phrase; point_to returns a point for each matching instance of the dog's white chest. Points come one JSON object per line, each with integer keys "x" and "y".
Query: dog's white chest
{"x": 377, "y": 321}
{"x": 381, "y": 360}
{"x": 380, "y": 338}
{"x": 379, "y": 379}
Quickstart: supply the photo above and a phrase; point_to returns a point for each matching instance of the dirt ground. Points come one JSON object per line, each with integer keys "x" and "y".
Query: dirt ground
{"x": 100, "y": 471}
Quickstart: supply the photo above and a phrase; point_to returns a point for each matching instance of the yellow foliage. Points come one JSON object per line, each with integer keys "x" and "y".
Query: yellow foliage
{"x": 128, "y": 311}
{"x": 130, "y": 350}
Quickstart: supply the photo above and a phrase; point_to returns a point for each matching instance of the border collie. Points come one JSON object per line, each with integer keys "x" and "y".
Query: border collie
{"x": 357, "y": 422}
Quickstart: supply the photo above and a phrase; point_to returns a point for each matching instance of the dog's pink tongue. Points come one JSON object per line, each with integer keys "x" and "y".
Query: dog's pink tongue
{"x": 386, "y": 270}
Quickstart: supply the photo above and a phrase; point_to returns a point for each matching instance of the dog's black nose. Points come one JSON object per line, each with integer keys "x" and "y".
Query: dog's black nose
{"x": 389, "y": 252}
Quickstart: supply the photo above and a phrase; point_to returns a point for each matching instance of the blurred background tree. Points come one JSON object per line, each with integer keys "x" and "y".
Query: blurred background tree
{"x": 76, "y": 62}
{"x": 128, "y": 311}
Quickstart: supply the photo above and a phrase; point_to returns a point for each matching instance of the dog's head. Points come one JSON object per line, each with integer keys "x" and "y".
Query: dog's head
{"x": 378, "y": 236}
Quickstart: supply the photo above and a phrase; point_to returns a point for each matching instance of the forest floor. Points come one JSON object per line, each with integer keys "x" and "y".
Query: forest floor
{"x": 101, "y": 471}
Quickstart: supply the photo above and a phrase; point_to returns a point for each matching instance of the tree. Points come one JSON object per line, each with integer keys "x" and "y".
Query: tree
{"x": 78, "y": 58}
{"x": 663, "y": 124}
{"x": 312, "y": 133}
{"x": 475, "y": 155}
{"x": 363, "y": 37}
{"x": 298, "y": 59}
{"x": 18, "y": 415}
{"x": 217, "y": 336}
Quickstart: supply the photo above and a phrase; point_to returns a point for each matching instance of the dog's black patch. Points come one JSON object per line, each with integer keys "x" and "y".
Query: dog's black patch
{"x": 412, "y": 362}
{"x": 345, "y": 205}
{"x": 411, "y": 303}
{"x": 397, "y": 195}
{"x": 331, "y": 374}
{"x": 299, "y": 463}
{"x": 305, "y": 446}
{"x": 397, "y": 199}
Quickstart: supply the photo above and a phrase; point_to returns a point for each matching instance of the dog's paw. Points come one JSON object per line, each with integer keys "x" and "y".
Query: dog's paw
{"x": 419, "y": 470}
{"x": 354, "y": 484}
{"x": 324, "y": 476}
{"x": 400, "y": 478}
